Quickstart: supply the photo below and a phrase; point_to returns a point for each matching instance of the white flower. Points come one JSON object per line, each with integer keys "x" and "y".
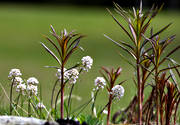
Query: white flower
{"x": 99, "y": 82}
{"x": 17, "y": 81}
{"x": 105, "y": 112}
{"x": 40, "y": 106}
{"x": 32, "y": 81}
{"x": 87, "y": 62}
{"x": 73, "y": 75}
{"x": 66, "y": 74}
{"x": 117, "y": 91}
{"x": 32, "y": 89}
{"x": 21, "y": 88}
{"x": 14, "y": 73}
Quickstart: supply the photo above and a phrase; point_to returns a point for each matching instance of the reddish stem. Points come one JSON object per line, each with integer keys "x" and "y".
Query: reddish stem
{"x": 62, "y": 91}
{"x": 139, "y": 94}
{"x": 109, "y": 108}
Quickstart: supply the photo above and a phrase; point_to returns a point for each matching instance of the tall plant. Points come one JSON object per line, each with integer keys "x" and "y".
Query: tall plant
{"x": 67, "y": 44}
{"x": 145, "y": 56}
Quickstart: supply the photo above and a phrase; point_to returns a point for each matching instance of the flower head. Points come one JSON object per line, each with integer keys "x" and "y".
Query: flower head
{"x": 21, "y": 88}
{"x": 14, "y": 73}
{"x": 73, "y": 75}
{"x": 87, "y": 62}
{"x": 32, "y": 89}
{"x": 17, "y": 81}
{"x": 99, "y": 82}
{"x": 32, "y": 81}
{"x": 40, "y": 105}
{"x": 117, "y": 91}
{"x": 66, "y": 74}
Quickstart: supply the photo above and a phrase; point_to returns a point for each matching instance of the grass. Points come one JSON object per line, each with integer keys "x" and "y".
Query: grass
{"x": 22, "y": 27}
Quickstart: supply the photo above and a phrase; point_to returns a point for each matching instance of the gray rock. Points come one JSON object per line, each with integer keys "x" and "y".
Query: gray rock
{"x": 15, "y": 120}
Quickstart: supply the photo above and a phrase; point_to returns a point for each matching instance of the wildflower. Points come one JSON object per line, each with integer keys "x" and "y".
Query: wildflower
{"x": 117, "y": 91}
{"x": 21, "y": 88}
{"x": 73, "y": 75}
{"x": 14, "y": 73}
{"x": 105, "y": 112}
{"x": 17, "y": 81}
{"x": 32, "y": 81}
{"x": 32, "y": 89}
{"x": 87, "y": 62}
{"x": 40, "y": 106}
{"x": 99, "y": 82}
{"x": 66, "y": 74}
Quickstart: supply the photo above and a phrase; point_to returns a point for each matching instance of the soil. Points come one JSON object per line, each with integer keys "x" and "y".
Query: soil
{"x": 67, "y": 122}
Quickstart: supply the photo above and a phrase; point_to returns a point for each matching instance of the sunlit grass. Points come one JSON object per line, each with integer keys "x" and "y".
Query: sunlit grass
{"x": 21, "y": 31}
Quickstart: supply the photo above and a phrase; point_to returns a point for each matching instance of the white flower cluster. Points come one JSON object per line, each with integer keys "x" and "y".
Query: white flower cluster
{"x": 87, "y": 62}
{"x": 32, "y": 83}
{"x": 40, "y": 106}
{"x": 117, "y": 91}
{"x": 21, "y": 88}
{"x": 71, "y": 75}
{"x": 99, "y": 82}
{"x": 14, "y": 73}
{"x": 17, "y": 81}
{"x": 30, "y": 87}
{"x": 66, "y": 75}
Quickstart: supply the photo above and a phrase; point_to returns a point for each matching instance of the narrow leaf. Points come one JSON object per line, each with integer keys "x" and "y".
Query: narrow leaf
{"x": 121, "y": 46}
{"x": 50, "y": 52}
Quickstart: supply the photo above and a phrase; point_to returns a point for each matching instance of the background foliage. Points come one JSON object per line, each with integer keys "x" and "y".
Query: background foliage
{"x": 22, "y": 27}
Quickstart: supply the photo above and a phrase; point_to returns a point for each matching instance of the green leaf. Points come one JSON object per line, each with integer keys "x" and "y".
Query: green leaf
{"x": 133, "y": 55}
{"x": 50, "y": 52}
{"x": 54, "y": 45}
{"x": 121, "y": 26}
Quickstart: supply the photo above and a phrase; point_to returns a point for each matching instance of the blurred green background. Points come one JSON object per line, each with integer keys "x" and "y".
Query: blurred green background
{"x": 21, "y": 30}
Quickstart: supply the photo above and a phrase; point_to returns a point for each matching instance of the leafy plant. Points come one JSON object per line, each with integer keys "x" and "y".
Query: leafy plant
{"x": 148, "y": 59}
{"x": 67, "y": 44}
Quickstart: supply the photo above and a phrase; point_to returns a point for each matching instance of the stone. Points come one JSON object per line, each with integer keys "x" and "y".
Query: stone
{"x": 16, "y": 120}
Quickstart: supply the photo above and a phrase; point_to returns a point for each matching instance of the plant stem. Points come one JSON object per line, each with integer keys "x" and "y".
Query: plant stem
{"x": 53, "y": 93}
{"x": 109, "y": 108}
{"x": 157, "y": 96}
{"x": 62, "y": 91}
{"x": 69, "y": 101}
{"x": 11, "y": 97}
{"x": 139, "y": 93}
{"x": 29, "y": 107}
{"x": 22, "y": 102}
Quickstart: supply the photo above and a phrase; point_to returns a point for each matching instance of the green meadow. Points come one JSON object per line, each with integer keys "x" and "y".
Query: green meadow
{"x": 22, "y": 28}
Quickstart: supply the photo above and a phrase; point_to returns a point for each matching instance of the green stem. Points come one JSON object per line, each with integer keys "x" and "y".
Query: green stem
{"x": 53, "y": 93}
{"x": 29, "y": 107}
{"x": 56, "y": 103}
{"x": 69, "y": 101}
{"x": 22, "y": 102}
{"x": 11, "y": 97}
